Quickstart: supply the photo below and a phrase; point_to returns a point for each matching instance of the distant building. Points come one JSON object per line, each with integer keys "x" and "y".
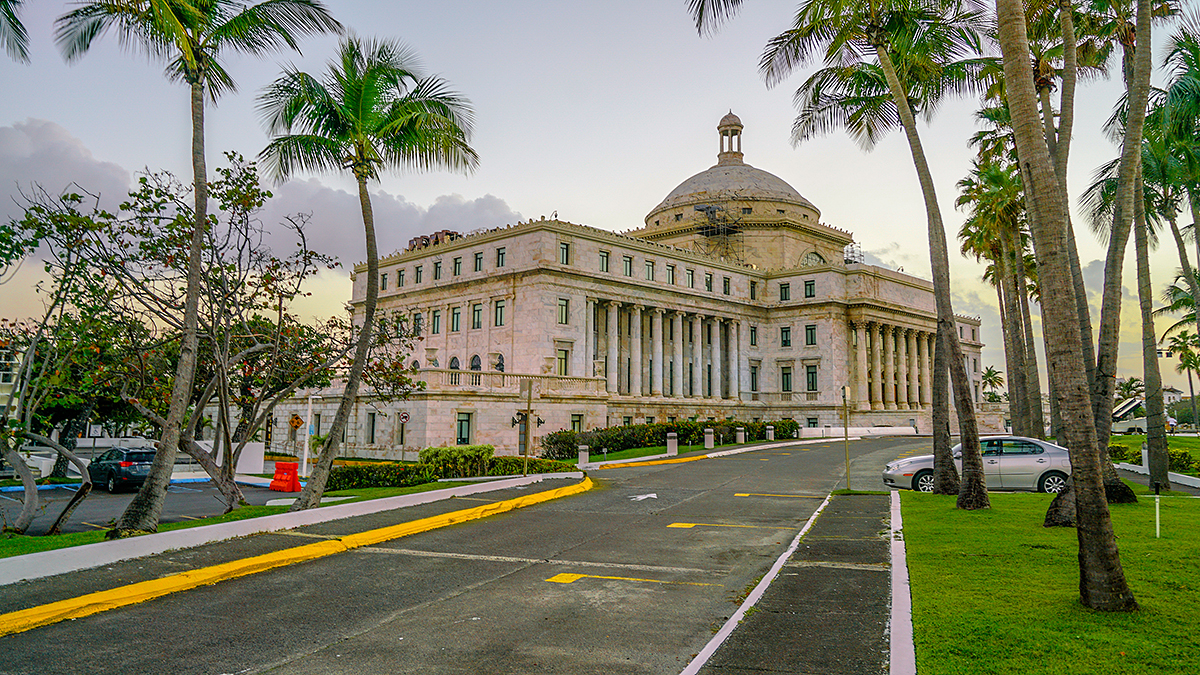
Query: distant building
{"x": 1171, "y": 395}
{"x": 733, "y": 300}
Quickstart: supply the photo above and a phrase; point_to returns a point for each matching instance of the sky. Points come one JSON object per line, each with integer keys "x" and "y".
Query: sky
{"x": 595, "y": 111}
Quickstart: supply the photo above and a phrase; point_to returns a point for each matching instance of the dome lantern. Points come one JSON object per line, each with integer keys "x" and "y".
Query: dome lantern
{"x": 730, "y": 129}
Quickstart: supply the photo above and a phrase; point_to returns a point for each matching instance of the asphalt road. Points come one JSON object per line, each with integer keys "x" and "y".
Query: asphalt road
{"x": 631, "y": 577}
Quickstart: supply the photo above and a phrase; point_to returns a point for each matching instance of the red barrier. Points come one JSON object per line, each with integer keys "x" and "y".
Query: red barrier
{"x": 287, "y": 477}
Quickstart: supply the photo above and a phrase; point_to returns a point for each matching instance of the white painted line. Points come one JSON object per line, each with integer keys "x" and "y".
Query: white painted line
{"x": 787, "y": 444}
{"x": 752, "y": 599}
{"x": 543, "y": 561}
{"x": 903, "y": 652}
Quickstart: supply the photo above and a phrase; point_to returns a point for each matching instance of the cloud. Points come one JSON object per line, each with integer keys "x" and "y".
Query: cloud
{"x": 42, "y": 152}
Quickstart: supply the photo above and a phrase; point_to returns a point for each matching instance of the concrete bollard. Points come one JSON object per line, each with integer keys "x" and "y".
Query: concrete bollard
{"x": 672, "y": 444}
{"x": 708, "y": 439}
{"x": 583, "y": 455}
{"x": 770, "y": 433}
{"x": 1146, "y": 455}
{"x": 741, "y": 435}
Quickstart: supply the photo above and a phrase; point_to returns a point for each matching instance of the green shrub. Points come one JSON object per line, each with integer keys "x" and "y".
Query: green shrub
{"x": 513, "y": 466}
{"x": 458, "y": 461}
{"x": 379, "y": 475}
{"x": 1120, "y": 453}
{"x": 1181, "y": 461}
{"x": 565, "y": 444}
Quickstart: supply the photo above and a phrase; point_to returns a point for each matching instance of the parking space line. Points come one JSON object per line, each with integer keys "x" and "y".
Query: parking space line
{"x": 572, "y": 578}
{"x": 98, "y": 527}
{"x": 867, "y": 567}
{"x": 686, "y": 526}
{"x": 761, "y": 494}
{"x": 548, "y": 561}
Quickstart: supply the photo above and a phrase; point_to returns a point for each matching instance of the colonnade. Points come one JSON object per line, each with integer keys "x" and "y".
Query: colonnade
{"x": 701, "y": 361}
{"x": 892, "y": 365}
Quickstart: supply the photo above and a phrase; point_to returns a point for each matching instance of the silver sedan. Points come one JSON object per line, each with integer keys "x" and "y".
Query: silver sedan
{"x": 1009, "y": 463}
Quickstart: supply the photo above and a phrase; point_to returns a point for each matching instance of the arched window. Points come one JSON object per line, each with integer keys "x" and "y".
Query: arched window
{"x": 499, "y": 363}
{"x": 476, "y": 363}
{"x": 454, "y": 363}
{"x": 812, "y": 259}
{"x": 416, "y": 365}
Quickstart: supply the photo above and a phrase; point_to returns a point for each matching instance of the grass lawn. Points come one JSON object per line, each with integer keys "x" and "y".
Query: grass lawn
{"x": 1134, "y": 443}
{"x": 13, "y": 545}
{"x": 995, "y": 592}
{"x": 631, "y": 453}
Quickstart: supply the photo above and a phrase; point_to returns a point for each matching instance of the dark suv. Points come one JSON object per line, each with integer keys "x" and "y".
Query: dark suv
{"x": 121, "y": 467}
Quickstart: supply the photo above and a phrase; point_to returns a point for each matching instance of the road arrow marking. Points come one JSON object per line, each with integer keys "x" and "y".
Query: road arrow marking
{"x": 640, "y": 498}
{"x": 566, "y": 578}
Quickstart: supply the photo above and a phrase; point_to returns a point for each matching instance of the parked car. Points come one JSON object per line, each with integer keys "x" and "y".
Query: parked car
{"x": 121, "y": 468}
{"x": 1009, "y": 463}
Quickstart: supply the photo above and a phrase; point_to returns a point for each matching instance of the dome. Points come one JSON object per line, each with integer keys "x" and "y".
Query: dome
{"x": 730, "y": 120}
{"x": 725, "y": 182}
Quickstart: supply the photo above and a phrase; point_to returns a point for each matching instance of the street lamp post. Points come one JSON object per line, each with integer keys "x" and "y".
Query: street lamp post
{"x": 308, "y": 439}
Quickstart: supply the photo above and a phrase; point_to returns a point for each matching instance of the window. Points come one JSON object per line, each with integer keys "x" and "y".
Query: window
{"x": 455, "y": 319}
{"x": 671, "y": 274}
{"x": 753, "y": 336}
{"x": 975, "y": 364}
{"x": 627, "y": 266}
{"x": 753, "y": 378}
{"x": 417, "y": 275}
{"x": 746, "y": 210}
{"x": 690, "y": 276}
{"x": 476, "y": 363}
{"x": 436, "y": 328}
{"x": 960, "y": 332}
{"x": 603, "y": 261}
{"x": 785, "y": 379}
{"x": 785, "y": 336}
{"x": 810, "y": 335}
{"x": 649, "y": 419}
{"x": 564, "y": 253}
{"x": 479, "y": 261}
{"x": 463, "y": 431}
{"x": 725, "y": 285}
{"x": 627, "y": 420}
{"x": 973, "y": 335}
{"x": 383, "y": 281}
{"x": 813, "y": 422}
{"x": 316, "y": 424}
{"x": 437, "y": 270}
{"x": 649, "y": 270}
{"x": 370, "y": 428}
{"x": 477, "y": 316}
{"x": 810, "y": 378}
{"x": 810, "y": 289}
{"x": 780, "y": 211}
{"x": 577, "y": 423}
{"x": 500, "y": 257}
{"x": 785, "y": 292}
{"x": 499, "y": 363}
{"x": 753, "y": 290}
{"x": 678, "y": 217}
{"x": 708, "y": 281}
{"x": 499, "y": 313}
{"x": 458, "y": 266}
{"x": 400, "y": 278}
{"x": 564, "y": 311}
{"x": 418, "y": 322}
{"x": 564, "y": 360}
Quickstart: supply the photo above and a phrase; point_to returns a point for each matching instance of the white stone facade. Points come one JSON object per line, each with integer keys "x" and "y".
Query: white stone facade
{"x": 733, "y": 301}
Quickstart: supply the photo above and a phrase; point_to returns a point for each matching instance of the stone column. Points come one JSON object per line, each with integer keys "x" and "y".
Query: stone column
{"x": 889, "y": 368}
{"x": 614, "y": 339}
{"x": 677, "y": 344}
{"x": 862, "y": 395}
{"x": 656, "y": 351}
{"x": 913, "y": 366}
{"x": 876, "y": 366}
{"x": 589, "y": 319}
{"x": 902, "y": 369}
{"x": 635, "y": 351}
{"x": 718, "y": 391}
{"x": 925, "y": 347}
{"x": 736, "y": 359}
{"x": 697, "y": 359}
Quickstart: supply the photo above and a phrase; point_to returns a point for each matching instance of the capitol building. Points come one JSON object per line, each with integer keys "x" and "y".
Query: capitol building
{"x": 733, "y": 300}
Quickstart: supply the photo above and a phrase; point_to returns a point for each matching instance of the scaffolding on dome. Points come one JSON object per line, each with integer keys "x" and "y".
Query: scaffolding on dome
{"x": 853, "y": 253}
{"x": 720, "y": 235}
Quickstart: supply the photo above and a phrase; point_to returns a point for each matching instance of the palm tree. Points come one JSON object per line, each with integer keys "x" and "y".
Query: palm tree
{"x": 1131, "y": 387}
{"x": 13, "y": 36}
{"x": 190, "y": 36}
{"x": 992, "y": 379}
{"x": 1102, "y": 581}
{"x": 915, "y": 44}
{"x": 1186, "y": 345}
{"x": 1178, "y": 298}
{"x": 372, "y": 111}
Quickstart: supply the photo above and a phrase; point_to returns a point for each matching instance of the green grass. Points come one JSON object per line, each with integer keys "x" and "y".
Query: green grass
{"x": 1189, "y": 443}
{"x": 14, "y": 482}
{"x": 632, "y": 453}
{"x": 14, "y": 545}
{"x": 995, "y": 592}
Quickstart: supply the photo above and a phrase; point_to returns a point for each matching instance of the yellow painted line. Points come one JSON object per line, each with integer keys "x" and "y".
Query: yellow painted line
{"x": 685, "y": 526}
{"x": 760, "y": 494}
{"x": 654, "y": 462}
{"x": 102, "y": 601}
{"x": 191, "y": 517}
{"x": 98, "y": 527}
{"x": 570, "y": 578}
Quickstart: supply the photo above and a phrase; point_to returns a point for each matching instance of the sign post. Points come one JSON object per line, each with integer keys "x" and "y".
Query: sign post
{"x": 846, "y": 430}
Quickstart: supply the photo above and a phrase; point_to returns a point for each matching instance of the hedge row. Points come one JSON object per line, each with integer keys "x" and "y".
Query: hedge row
{"x": 1179, "y": 461}
{"x": 565, "y": 444}
{"x": 379, "y": 475}
{"x": 466, "y": 461}
{"x": 458, "y": 461}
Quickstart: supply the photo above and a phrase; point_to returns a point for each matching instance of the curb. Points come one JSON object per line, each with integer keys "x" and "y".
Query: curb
{"x": 903, "y": 660}
{"x": 1182, "y": 479}
{"x": 652, "y": 461}
{"x": 64, "y": 560}
{"x": 94, "y": 603}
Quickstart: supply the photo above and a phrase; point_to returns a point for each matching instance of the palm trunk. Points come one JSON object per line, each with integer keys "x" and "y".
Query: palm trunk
{"x": 143, "y": 512}
{"x": 945, "y": 474}
{"x": 69, "y": 437}
{"x": 972, "y": 492}
{"x": 1033, "y": 380}
{"x": 311, "y": 495}
{"x": 1192, "y": 393}
{"x": 1156, "y": 419}
{"x": 1018, "y": 402}
{"x": 30, "y": 504}
{"x": 1102, "y": 582}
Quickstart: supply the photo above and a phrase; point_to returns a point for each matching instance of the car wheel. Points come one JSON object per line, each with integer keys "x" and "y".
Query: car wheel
{"x": 1054, "y": 482}
{"x": 923, "y": 481}
{"x": 112, "y": 484}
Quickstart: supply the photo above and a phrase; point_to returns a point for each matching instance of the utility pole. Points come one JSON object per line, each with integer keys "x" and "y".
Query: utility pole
{"x": 846, "y": 431}
{"x": 528, "y": 386}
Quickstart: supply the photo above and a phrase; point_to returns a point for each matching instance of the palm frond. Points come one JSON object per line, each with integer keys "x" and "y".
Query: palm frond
{"x": 13, "y": 35}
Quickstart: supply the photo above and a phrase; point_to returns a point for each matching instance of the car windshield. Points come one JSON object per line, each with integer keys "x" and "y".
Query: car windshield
{"x": 139, "y": 457}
